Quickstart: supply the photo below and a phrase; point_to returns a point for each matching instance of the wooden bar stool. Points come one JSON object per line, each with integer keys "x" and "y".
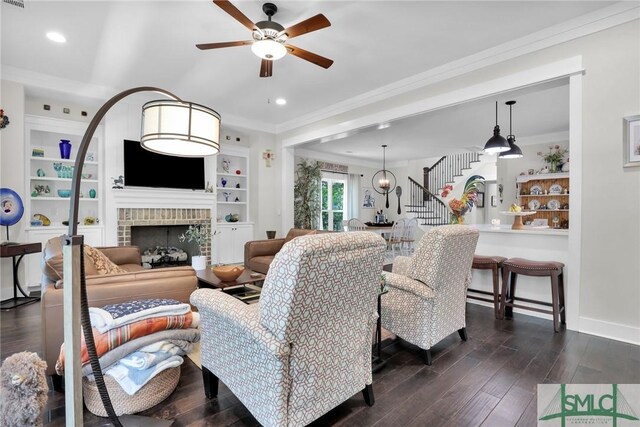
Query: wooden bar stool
{"x": 493, "y": 263}
{"x": 551, "y": 269}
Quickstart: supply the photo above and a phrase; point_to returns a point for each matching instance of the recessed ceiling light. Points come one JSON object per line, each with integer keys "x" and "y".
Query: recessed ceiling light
{"x": 281, "y": 101}
{"x": 56, "y": 37}
{"x": 383, "y": 126}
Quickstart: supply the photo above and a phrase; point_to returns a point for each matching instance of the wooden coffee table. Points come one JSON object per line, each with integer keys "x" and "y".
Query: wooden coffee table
{"x": 245, "y": 288}
{"x": 206, "y": 279}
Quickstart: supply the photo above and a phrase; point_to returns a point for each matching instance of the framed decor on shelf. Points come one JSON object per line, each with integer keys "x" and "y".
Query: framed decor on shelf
{"x": 631, "y": 141}
{"x": 494, "y": 201}
{"x": 480, "y": 199}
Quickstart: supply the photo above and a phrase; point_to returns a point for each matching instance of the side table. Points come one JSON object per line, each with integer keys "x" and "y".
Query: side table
{"x": 17, "y": 251}
{"x": 377, "y": 362}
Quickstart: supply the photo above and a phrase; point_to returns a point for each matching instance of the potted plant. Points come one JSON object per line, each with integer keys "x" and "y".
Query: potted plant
{"x": 201, "y": 235}
{"x": 554, "y": 158}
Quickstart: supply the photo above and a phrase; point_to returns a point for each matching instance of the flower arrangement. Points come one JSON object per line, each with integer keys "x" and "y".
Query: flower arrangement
{"x": 197, "y": 233}
{"x": 554, "y": 157}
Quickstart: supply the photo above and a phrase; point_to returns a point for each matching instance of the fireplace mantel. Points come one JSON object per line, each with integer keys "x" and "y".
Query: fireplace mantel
{"x": 162, "y": 198}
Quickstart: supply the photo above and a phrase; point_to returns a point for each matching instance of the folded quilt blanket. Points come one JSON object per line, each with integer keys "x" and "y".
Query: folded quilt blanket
{"x": 118, "y": 336}
{"x": 114, "y": 315}
{"x": 131, "y": 379}
{"x": 185, "y": 339}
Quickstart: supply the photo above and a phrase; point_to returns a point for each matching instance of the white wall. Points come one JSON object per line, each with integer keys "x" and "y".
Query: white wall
{"x": 610, "y": 249}
{"x": 12, "y": 172}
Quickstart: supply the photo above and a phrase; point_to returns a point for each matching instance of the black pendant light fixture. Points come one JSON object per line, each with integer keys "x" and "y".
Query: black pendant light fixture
{"x": 514, "y": 151}
{"x": 384, "y": 181}
{"x": 496, "y": 143}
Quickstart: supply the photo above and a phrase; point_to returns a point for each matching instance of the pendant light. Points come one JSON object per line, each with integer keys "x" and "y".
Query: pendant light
{"x": 496, "y": 143}
{"x": 514, "y": 152}
{"x": 384, "y": 181}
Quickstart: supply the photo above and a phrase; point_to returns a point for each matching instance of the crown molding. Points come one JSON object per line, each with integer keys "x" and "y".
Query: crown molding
{"x": 334, "y": 158}
{"x": 66, "y": 89}
{"x": 611, "y": 16}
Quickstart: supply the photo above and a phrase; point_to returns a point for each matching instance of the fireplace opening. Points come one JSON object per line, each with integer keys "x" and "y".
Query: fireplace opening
{"x": 161, "y": 247}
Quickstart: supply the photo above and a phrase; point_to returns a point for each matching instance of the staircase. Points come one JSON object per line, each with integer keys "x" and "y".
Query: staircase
{"x": 424, "y": 202}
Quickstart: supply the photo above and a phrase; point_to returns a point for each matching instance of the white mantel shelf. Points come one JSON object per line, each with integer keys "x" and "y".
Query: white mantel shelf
{"x": 162, "y": 198}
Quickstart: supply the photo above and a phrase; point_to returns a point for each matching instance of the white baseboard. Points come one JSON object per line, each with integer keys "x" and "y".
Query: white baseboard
{"x": 600, "y": 328}
{"x": 614, "y": 331}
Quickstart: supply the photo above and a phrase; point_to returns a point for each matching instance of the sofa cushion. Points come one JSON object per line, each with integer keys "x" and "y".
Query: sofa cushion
{"x": 53, "y": 264}
{"x": 296, "y": 232}
{"x": 261, "y": 263}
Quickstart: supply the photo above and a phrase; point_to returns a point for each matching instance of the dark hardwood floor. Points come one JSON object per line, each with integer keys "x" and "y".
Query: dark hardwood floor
{"x": 490, "y": 380}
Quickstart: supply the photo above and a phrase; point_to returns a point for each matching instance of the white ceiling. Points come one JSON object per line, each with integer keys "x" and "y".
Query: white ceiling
{"x": 116, "y": 45}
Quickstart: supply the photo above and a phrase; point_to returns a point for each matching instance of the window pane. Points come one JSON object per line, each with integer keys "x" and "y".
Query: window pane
{"x": 337, "y": 195}
{"x": 325, "y": 195}
{"x": 325, "y": 220}
{"x": 337, "y": 221}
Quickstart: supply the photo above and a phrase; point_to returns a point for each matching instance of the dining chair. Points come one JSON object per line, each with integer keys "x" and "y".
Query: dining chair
{"x": 409, "y": 236}
{"x": 354, "y": 224}
{"x": 394, "y": 238}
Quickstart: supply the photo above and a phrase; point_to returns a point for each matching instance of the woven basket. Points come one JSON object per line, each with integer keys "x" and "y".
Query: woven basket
{"x": 152, "y": 393}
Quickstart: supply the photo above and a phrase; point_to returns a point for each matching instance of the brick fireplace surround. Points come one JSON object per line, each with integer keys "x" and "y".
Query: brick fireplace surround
{"x": 134, "y": 217}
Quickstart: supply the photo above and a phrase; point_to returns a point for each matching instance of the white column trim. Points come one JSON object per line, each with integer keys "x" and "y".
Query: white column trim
{"x": 572, "y": 281}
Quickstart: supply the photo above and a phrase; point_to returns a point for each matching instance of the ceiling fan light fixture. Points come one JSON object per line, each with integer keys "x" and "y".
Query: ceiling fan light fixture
{"x": 268, "y": 49}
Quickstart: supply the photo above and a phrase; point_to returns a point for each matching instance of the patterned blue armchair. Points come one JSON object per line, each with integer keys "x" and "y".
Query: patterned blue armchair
{"x": 427, "y": 292}
{"x": 306, "y": 346}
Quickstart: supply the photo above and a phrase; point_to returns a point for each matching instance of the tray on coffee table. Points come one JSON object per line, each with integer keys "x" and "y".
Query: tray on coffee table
{"x": 248, "y": 293}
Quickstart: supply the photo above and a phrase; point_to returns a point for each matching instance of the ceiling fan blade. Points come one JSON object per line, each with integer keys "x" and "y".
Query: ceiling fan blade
{"x": 205, "y": 46}
{"x": 266, "y": 68}
{"x": 314, "y": 23}
{"x": 233, "y": 11}
{"x": 308, "y": 56}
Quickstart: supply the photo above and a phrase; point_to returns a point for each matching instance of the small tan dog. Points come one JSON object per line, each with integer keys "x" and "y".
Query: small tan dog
{"x": 23, "y": 390}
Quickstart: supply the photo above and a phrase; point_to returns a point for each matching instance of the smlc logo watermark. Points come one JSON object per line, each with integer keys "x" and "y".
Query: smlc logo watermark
{"x": 616, "y": 405}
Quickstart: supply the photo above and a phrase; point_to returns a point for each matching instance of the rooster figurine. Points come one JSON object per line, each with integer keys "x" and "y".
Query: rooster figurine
{"x": 459, "y": 207}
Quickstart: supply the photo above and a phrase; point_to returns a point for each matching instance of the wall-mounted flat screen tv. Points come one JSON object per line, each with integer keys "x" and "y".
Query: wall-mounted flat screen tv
{"x": 143, "y": 168}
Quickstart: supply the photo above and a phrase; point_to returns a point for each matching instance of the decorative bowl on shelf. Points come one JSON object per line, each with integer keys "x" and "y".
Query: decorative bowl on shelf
{"x": 64, "y": 193}
{"x": 228, "y": 273}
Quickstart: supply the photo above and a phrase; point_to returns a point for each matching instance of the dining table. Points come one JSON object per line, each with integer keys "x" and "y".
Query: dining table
{"x": 383, "y": 229}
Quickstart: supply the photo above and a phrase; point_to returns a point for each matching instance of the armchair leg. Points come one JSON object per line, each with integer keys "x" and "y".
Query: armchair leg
{"x": 367, "y": 393}
{"x": 463, "y": 334}
{"x": 210, "y": 383}
{"x": 426, "y": 356}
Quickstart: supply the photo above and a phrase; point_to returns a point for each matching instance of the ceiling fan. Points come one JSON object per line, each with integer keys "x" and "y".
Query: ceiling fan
{"x": 270, "y": 38}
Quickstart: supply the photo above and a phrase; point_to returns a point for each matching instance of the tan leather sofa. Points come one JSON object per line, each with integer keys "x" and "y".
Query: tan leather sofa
{"x": 258, "y": 254}
{"x": 137, "y": 283}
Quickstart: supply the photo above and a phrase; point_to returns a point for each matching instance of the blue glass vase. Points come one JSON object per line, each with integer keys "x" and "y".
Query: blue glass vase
{"x": 65, "y": 149}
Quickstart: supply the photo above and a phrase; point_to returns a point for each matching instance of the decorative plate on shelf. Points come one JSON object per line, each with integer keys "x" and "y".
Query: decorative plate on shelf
{"x": 534, "y": 204}
{"x": 555, "y": 189}
{"x": 553, "y": 204}
{"x": 535, "y": 190}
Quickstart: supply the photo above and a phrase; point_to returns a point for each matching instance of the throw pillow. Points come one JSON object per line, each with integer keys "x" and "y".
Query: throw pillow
{"x": 101, "y": 263}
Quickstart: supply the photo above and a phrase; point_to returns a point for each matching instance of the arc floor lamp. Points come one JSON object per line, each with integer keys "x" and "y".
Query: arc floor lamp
{"x": 173, "y": 127}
